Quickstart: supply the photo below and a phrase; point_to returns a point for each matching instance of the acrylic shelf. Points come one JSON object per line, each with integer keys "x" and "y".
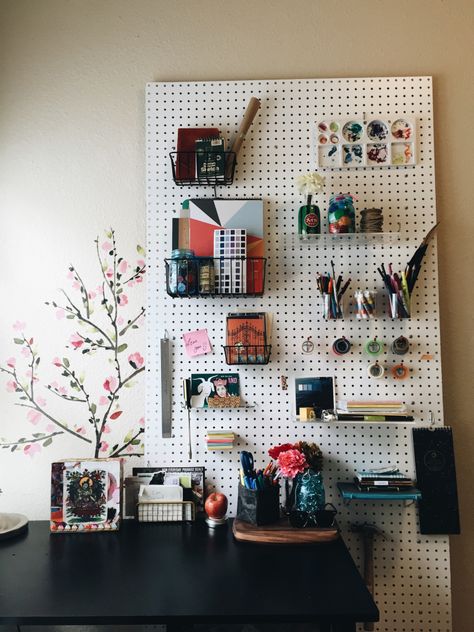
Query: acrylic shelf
{"x": 247, "y": 354}
{"x": 215, "y": 276}
{"x": 350, "y": 491}
{"x": 336, "y": 239}
{"x": 185, "y": 171}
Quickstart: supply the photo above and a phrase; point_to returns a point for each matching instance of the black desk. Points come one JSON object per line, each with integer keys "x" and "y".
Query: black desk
{"x": 176, "y": 574}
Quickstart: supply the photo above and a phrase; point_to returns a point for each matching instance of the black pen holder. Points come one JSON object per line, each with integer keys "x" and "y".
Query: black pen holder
{"x": 259, "y": 506}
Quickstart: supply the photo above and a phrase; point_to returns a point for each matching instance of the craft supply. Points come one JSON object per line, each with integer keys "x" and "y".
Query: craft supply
{"x": 166, "y": 390}
{"x": 182, "y": 273}
{"x": 230, "y": 250}
{"x": 197, "y": 343}
{"x": 341, "y": 214}
{"x": 219, "y": 440}
{"x": 250, "y": 113}
{"x": 332, "y": 294}
{"x": 374, "y": 347}
{"x": 215, "y": 390}
{"x": 307, "y": 413}
{"x": 210, "y": 157}
{"x": 366, "y": 304}
{"x": 186, "y": 156}
{"x": 375, "y": 370}
{"x": 400, "y": 371}
{"x": 371, "y": 220}
{"x": 187, "y": 404}
{"x": 400, "y": 346}
{"x": 341, "y": 346}
{"x": 309, "y": 216}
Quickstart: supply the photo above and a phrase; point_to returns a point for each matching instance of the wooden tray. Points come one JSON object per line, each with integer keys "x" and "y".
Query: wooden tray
{"x": 282, "y": 533}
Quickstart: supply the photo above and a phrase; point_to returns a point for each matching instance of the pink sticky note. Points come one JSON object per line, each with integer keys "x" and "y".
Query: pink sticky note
{"x": 197, "y": 343}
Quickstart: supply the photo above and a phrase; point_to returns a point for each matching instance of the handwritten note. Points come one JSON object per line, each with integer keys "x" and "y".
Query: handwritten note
{"x": 197, "y": 343}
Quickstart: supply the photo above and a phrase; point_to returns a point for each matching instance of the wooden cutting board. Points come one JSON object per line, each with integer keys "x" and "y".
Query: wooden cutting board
{"x": 282, "y": 533}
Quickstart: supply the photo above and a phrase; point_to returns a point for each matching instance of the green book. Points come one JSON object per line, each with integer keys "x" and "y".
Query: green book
{"x": 210, "y": 157}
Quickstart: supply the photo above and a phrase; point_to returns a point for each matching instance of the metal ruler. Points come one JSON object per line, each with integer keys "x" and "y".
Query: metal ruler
{"x": 166, "y": 398}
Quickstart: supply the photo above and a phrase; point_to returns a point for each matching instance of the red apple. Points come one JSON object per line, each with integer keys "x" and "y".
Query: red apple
{"x": 216, "y": 505}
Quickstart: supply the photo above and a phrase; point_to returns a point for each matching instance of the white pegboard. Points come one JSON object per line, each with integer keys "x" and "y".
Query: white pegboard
{"x": 411, "y": 570}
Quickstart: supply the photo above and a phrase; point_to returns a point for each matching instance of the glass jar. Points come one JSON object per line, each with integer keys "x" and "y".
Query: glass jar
{"x": 182, "y": 273}
{"x": 341, "y": 214}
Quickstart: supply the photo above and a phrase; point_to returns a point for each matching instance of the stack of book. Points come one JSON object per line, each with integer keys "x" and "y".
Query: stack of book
{"x": 383, "y": 479}
{"x": 220, "y": 440}
{"x": 372, "y": 410}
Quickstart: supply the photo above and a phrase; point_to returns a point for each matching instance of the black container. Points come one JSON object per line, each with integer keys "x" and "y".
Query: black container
{"x": 259, "y": 506}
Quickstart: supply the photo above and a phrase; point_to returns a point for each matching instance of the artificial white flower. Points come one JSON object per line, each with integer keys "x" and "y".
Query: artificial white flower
{"x": 310, "y": 183}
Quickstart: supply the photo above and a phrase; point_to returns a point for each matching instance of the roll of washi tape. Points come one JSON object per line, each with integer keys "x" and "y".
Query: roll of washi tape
{"x": 400, "y": 345}
{"x": 341, "y": 346}
{"x": 375, "y": 370}
{"x": 400, "y": 371}
{"x": 374, "y": 347}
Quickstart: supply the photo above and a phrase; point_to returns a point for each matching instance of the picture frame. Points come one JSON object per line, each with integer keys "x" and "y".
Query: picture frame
{"x": 317, "y": 392}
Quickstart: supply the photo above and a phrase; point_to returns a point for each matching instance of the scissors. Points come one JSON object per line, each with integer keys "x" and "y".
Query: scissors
{"x": 246, "y": 460}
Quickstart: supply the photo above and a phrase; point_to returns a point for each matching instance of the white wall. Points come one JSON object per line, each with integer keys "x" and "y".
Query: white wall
{"x": 72, "y": 77}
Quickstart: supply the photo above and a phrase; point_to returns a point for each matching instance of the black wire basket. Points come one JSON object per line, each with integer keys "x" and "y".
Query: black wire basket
{"x": 203, "y": 168}
{"x": 247, "y": 354}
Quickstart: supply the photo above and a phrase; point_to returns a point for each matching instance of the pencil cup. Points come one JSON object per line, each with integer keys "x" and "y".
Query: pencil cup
{"x": 366, "y": 303}
{"x": 332, "y": 309}
{"x": 399, "y": 308}
{"x": 258, "y": 506}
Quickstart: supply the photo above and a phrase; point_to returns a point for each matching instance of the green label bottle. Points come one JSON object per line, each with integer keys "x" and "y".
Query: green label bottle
{"x": 309, "y": 219}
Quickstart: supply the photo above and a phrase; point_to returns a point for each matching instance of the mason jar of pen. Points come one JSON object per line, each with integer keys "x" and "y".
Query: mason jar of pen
{"x": 366, "y": 304}
{"x": 399, "y": 305}
{"x": 258, "y": 506}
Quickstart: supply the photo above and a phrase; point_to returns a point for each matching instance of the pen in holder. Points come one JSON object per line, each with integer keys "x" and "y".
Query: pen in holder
{"x": 258, "y": 506}
{"x": 399, "y": 305}
{"x": 332, "y": 291}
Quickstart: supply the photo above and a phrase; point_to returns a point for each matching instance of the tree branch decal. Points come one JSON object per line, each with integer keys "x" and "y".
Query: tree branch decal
{"x": 99, "y": 328}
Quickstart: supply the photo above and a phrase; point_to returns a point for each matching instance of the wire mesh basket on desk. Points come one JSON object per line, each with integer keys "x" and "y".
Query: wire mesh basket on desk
{"x": 166, "y": 511}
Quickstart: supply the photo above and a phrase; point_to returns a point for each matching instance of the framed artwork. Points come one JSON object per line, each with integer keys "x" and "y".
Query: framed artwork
{"x": 314, "y": 392}
{"x": 85, "y": 495}
{"x": 192, "y": 480}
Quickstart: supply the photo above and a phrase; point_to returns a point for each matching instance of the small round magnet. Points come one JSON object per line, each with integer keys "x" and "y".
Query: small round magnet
{"x": 375, "y": 370}
{"x": 341, "y": 346}
{"x": 400, "y": 371}
{"x": 400, "y": 345}
{"x": 374, "y": 347}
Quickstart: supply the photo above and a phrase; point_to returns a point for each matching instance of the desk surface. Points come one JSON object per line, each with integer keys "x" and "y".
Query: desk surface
{"x": 176, "y": 573}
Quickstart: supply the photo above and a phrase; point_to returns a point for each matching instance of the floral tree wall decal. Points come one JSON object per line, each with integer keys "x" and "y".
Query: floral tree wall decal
{"x": 99, "y": 329}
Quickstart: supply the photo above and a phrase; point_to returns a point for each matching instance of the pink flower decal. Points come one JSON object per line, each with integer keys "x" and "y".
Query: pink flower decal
{"x": 31, "y": 449}
{"x": 123, "y": 265}
{"x": 116, "y": 414}
{"x": 25, "y": 352}
{"x": 136, "y": 360}
{"x": 11, "y": 362}
{"x": 291, "y": 463}
{"x": 76, "y": 341}
{"x": 19, "y": 325}
{"x": 34, "y": 416}
{"x": 41, "y": 401}
{"x": 107, "y": 246}
{"x": 106, "y": 429}
{"x": 57, "y": 362}
{"x": 141, "y": 422}
{"x": 60, "y": 314}
{"x": 49, "y": 428}
{"x": 110, "y": 383}
{"x": 103, "y": 400}
{"x": 141, "y": 263}
{"x": 122, "y": 299}
{"x": 11, "y": 386}
{"x": 104, "y": 446}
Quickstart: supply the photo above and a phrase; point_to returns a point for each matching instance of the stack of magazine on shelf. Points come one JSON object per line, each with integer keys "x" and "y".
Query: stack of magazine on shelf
{"x": 385, "y": 479}
{"x": 372, "y": 410}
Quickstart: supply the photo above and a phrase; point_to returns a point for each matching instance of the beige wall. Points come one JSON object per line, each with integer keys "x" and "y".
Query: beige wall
{"x": 72, "y": 77}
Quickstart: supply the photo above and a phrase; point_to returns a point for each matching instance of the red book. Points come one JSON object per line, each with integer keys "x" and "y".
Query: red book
{"x": 186, "y": 161}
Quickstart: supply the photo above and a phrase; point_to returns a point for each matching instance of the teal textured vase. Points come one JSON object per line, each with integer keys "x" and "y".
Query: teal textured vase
{"x": 310, "y": 495}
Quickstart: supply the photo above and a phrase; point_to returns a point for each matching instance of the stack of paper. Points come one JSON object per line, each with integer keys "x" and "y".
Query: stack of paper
{"x": 372, "y": 407}
{"x": 220, "y": 439}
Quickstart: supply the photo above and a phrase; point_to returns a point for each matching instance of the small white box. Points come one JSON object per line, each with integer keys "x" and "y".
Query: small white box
{"x": 160, "y": 492}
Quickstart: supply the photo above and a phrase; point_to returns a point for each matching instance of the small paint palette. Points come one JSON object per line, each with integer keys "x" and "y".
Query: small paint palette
{"x": 375, "y": 142}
